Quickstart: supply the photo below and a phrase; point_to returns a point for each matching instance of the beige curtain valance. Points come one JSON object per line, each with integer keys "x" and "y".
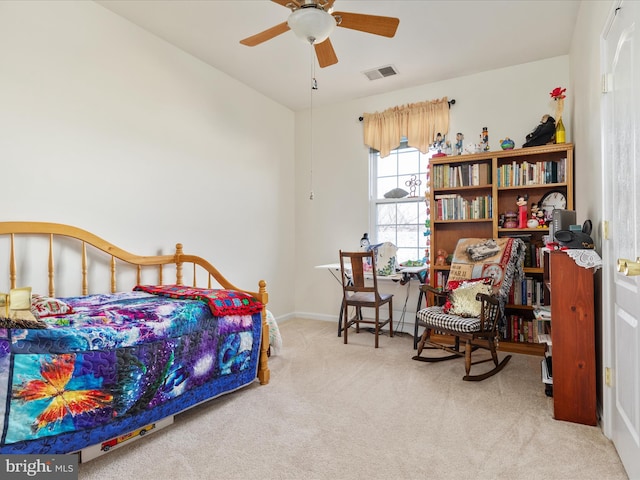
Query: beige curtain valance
{"x": 419, "y": 122}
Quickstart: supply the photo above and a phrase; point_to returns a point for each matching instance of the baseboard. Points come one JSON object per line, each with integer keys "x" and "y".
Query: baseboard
{"x": 404, "y": 326}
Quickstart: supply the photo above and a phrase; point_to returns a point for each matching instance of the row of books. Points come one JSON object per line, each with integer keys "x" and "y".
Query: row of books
{"x": 542, "y": 319}
{"x": 526, "y": 173}
{"x": 441, "y": 277}
{"x": 526, "y": 291}
{"x": 533, "y": 256}
{"x": 519, "y": 329}
{"x": 456, "y": 207}
{"x": 461, "y": 175}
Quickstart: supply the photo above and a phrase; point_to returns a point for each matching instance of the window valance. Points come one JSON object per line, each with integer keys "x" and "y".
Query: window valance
{"x": 418, "y": 122}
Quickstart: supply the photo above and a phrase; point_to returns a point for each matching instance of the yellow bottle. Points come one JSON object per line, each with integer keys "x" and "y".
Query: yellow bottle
{"x": 560, "y": 132}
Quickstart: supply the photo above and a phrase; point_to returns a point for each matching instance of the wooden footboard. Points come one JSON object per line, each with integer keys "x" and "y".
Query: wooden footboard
{"x": 20, "y": 269}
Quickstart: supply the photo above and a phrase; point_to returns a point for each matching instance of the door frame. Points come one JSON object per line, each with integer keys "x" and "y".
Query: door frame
{"x": 608, "y": 335}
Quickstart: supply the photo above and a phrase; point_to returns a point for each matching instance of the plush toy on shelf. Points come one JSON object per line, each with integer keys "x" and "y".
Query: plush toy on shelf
{"x": 441, "y": 258}
{"x": 533, "y": 221}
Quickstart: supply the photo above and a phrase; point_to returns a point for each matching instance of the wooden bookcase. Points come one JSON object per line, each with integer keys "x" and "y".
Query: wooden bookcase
{"x": 573, "y": 337}
{"x": 488, "y": 185}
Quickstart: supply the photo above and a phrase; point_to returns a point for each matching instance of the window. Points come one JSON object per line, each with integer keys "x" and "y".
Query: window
{"x": 401, "y": 221}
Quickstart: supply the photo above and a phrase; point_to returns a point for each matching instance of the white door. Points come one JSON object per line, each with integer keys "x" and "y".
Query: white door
{"x": 621, "y": 142}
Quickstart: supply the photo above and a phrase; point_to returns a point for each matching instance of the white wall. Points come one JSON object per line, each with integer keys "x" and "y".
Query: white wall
{"x": 111, "y": 129}
{"x": 509, "y": 101}
{"x": 108, "y": 128}
{"x": 585, "y": 82}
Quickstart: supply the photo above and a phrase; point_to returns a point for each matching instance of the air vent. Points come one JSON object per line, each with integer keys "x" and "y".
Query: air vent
{"x": 381, "y": 72}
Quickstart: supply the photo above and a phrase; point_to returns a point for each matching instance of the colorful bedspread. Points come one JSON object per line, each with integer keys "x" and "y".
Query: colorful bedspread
{"x": 119, "y": 362}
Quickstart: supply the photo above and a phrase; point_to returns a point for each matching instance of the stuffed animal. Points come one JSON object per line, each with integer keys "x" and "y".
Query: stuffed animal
{"x": 441, "y": 258}
{"x": 534, "y": 211}
{"x": 543, "y": 133}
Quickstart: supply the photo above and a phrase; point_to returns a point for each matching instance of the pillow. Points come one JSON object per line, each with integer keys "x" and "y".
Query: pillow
{"x": 48, "y": 306}
{"x": 452, "y": 285}
{"x": 463, "y": 301}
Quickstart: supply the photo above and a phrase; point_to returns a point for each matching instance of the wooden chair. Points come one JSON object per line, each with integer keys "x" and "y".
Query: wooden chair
{"x": 475, "y": 332}
{"x": 359, "y": 293}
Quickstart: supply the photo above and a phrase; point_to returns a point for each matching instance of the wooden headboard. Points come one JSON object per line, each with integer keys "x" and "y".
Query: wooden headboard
{"x": 87, "y": 241}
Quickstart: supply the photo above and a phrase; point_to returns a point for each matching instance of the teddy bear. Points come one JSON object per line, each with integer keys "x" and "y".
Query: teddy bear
{"x": 441, "y": 257}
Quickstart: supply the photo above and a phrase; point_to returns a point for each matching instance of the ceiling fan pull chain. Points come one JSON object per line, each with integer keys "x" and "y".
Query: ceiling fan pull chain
{"x": 314, "y": 86}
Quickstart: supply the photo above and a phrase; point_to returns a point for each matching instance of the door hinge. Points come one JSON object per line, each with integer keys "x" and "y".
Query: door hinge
{"x": 607, "y": 82}
{"x": 605, "y": 229}
{"x": 607, "y": 376}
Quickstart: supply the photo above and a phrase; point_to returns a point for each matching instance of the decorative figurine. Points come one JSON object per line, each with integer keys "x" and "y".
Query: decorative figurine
{"x": 484, "y": 139}
{"x": 473, "y": 148}
{"x": 522, "y": 210}
{"x": 543, "y": 133}
{"x": 510, "y": 220}
{"x": 507, "y": 144}
{"x": 459, "y": 140}
{"x": 364, "y": 242}
{"x": 534, "y": 210}
{"x": 441, "y": 258}
{"x": 439, "y": 143}
{"x": 413, "y": 183}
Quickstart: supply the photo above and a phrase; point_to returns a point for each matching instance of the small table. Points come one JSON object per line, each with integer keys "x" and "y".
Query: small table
{"x": 402, "y": 275}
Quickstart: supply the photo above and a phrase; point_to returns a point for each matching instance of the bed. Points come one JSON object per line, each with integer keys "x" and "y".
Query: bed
{"x": 103, "y": 366}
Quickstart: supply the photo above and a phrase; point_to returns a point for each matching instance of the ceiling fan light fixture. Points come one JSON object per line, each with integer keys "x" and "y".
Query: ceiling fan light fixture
{"x": 313, "y": 25}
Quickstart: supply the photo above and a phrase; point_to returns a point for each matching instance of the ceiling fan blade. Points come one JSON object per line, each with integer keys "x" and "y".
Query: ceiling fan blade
{"x": 268, "y": 34}
{"x": 385, "y": 26}
{"x": 325, "y": 53}
{"x": 284, "y": 3}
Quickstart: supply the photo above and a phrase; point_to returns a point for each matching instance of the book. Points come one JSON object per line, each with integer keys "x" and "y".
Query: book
{"x": 544, "y": 338}
{"x": 543, "y": 312}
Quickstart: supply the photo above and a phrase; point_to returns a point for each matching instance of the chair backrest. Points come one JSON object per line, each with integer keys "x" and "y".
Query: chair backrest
{"x": 490, "y": 313}
{"x": 356, "y": 268}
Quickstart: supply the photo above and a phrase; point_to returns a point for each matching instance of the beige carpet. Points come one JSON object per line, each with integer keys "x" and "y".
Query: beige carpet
{"x": 335, "y": 411}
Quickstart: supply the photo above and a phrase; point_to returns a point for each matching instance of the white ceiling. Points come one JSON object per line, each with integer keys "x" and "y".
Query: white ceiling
{"x": 436, "y": 40}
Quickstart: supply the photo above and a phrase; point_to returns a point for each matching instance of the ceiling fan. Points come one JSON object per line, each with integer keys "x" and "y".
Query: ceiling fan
{"x": 314, "y": 20}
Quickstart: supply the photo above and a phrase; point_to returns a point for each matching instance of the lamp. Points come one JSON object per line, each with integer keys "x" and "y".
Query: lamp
{"x": 311, "y": 24}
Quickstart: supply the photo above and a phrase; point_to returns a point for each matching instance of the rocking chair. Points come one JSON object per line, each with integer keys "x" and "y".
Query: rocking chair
{"x": 473, "y": 322}
{"x": 476, "y": 332}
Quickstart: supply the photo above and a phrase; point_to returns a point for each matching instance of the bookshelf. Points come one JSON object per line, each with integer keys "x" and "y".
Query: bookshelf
{"x": 473, "y": 196}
